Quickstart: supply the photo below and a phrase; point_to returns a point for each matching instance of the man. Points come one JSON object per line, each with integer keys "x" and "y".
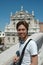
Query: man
{"x": 31, "y": 55}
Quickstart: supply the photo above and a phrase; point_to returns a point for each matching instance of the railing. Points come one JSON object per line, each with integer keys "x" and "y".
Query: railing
{"x": 6, "y": 58}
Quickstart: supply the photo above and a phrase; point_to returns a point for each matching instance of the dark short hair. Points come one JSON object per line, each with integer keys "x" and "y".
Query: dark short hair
{"x": 23, "y": 23}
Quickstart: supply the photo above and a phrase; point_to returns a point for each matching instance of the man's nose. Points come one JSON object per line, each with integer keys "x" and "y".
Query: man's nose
{"x": 20, "y": 31}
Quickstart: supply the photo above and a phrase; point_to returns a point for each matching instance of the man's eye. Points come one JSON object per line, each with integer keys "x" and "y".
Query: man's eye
{"x": 19, "y": 29}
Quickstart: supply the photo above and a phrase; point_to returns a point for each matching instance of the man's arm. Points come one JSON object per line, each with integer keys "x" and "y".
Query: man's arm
{"x": 34, "y": 60}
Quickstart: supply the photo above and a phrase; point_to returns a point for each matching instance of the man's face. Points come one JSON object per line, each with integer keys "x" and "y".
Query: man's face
{"x": 22, "y": 31}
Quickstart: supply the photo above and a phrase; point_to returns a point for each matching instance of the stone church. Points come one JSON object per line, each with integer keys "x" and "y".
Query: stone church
{"x": 10, "y": 29}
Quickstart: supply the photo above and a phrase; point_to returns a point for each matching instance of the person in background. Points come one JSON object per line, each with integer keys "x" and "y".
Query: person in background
{"x": 31, "y": 52}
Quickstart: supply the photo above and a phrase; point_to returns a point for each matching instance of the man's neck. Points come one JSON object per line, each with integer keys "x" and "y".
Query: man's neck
{"x": 23, "y": 39}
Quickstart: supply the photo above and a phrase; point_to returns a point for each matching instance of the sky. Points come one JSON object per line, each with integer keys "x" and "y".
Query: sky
{"x": 8, "y": 6}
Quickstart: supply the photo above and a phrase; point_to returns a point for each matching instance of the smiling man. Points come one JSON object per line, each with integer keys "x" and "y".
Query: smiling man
{"x": 31, "y": 55}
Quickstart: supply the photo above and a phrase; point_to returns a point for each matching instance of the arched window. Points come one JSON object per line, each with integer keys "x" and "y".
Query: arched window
{"x": 9, "y": 39}
{"x": 13, "y": 39}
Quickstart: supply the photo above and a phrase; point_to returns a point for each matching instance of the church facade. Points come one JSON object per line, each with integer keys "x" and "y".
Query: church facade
{"x": 11, "y": 37}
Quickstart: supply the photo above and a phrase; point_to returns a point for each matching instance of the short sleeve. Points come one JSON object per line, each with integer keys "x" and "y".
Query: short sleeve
{"x": 33, "y": 48}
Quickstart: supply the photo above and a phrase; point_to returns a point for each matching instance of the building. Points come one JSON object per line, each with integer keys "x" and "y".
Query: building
{"x": 41, "y": 26}
{"x": 10, "y": 29}
{"x": 2, "y": 36}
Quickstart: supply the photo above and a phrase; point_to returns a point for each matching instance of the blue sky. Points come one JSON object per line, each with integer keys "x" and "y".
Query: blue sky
{"x": 8, "y": 6}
